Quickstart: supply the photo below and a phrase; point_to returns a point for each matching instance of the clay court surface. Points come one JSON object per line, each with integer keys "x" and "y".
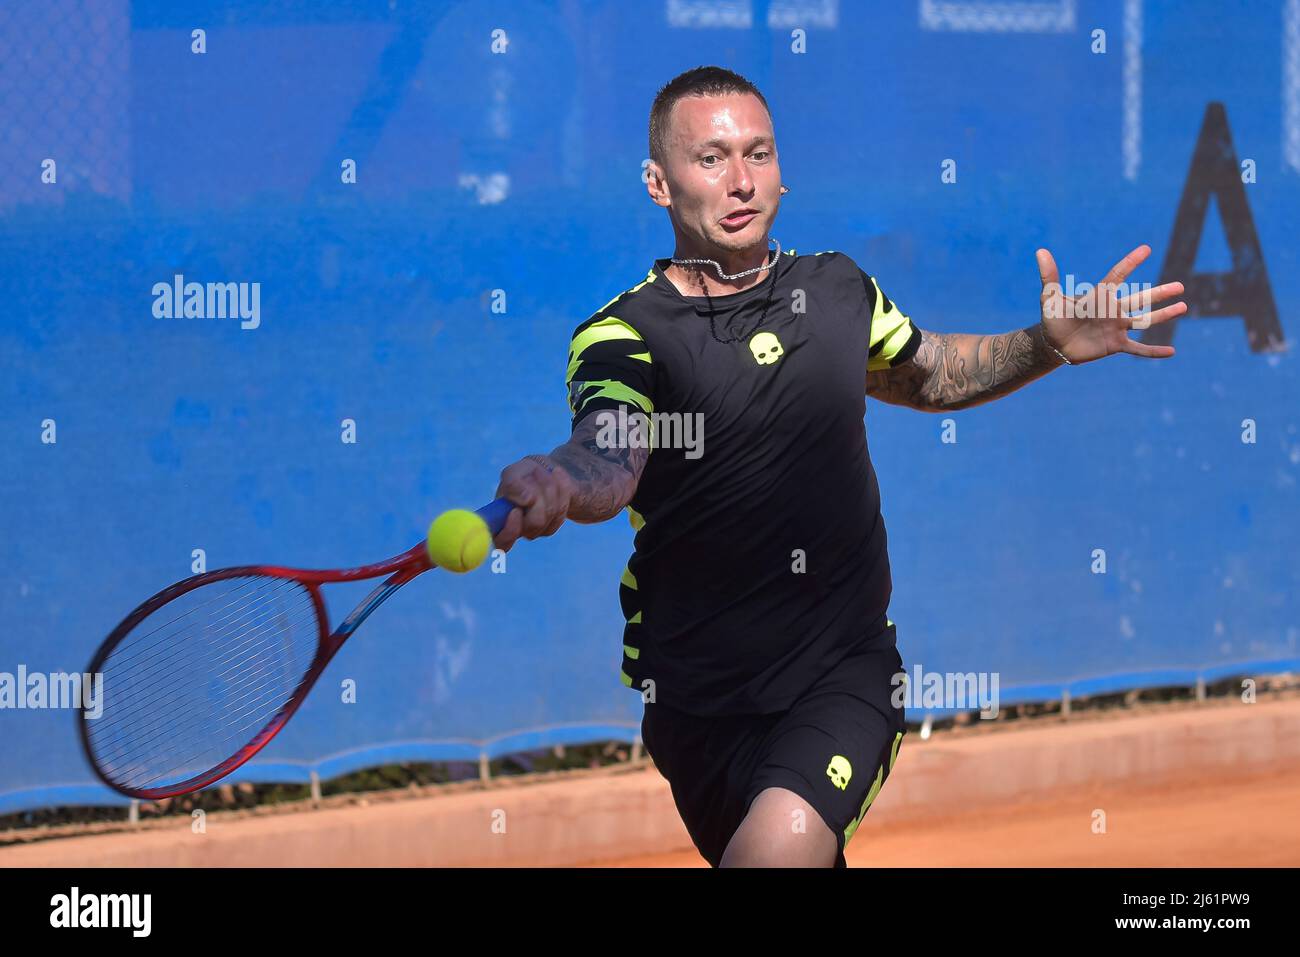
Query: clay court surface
{"x": 1247, "y": 822}
{"x": 1195, "y": 785}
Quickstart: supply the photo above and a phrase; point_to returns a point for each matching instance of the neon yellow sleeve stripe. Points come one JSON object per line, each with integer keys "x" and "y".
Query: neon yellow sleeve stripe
{"x": 635, "y": 619}
{"x": 628, "y": 579}
{"x": 890, "y": 331}
{"x": 613, "y": 389}
{"x": 885, "y": 324}
{"x": 893, "y": 343}
{"x": 607, "y": 329}
{"x": 627, "y": 680}
{"x": 635, "y": 518}
{"x": 643, "y": 356}
{"x": 895, "y": 338}
{"x": 633, "y": 653}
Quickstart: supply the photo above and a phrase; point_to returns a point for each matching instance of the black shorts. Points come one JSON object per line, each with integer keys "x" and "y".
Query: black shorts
{"x": 834, "y": 748}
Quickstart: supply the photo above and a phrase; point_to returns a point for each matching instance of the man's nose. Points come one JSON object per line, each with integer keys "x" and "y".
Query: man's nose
{"x": 739, "y": 180}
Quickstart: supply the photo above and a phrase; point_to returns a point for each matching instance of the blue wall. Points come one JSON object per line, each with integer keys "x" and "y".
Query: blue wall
{"x": 520, "y": 171}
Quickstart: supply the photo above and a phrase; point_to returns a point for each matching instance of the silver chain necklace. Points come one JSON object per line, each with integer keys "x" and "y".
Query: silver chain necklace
{"x": 713, "y": 329}
{"x": 723, "y": 275}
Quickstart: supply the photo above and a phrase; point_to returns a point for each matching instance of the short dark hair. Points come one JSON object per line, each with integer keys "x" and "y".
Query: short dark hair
{"x": 701, "y": 81}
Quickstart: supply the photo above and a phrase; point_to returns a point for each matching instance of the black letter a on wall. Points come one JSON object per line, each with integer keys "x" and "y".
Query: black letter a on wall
{"x": 1243, "y": 292}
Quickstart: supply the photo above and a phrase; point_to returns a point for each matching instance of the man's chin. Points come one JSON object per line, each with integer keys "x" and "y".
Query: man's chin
{"x": 742, "y": 241}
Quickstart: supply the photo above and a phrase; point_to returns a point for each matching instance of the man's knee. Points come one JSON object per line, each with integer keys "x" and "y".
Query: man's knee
{"x": 781, "y": 829}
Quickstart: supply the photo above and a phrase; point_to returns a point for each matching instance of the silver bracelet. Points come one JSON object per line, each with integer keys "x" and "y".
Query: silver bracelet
{"x": 1052, "y": 347}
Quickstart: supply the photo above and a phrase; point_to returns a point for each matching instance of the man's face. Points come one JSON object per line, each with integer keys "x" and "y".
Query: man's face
{"x": 721, "y": 157}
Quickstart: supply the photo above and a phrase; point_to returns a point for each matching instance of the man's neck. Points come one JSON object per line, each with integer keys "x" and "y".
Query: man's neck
{"x": 703, "y": 280}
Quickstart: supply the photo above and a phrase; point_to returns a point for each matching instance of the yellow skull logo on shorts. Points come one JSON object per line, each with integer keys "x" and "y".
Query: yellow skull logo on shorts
{"x": 839, "y": 771}
{"x": 766, "y": 347}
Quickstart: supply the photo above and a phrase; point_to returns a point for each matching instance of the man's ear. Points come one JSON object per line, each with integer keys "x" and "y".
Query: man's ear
{"x": 656, "y": 184}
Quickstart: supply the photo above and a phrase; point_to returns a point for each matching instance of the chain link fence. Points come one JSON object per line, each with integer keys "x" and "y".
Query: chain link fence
{"x": 65, "y": 96}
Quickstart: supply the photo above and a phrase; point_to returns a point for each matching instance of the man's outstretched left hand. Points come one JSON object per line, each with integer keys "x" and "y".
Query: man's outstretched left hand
{"x": 1096, "y": 324}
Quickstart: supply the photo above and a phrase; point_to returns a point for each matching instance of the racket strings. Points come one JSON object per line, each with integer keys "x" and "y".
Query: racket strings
{"x": 147, "y": 665}
{"x": 162, "y": 715}
{"x": 150, "y": 671}
{"x": 146, "y": 669}
{"x": 141, "y": 757}
{"x": 166, "y": 728}
{"x": 150, "y": 737}
{"x": 167, "y": 740}
{"x": 195, "y": 681}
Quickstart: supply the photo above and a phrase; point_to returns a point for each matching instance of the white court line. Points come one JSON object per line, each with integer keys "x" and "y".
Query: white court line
{"x": 1131, "y": 136}
{"x": 1291, "y": 84}
{"x": 979, "y": 16}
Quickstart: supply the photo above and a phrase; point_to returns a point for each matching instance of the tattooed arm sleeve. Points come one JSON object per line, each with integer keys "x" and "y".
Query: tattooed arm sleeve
{"x": 935, "y": 372}
{"x": 606, "y": 472}
{"x": 953, "y": 371}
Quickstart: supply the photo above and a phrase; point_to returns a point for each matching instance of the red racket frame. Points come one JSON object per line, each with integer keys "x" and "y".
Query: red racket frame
{"x": 400, "y": 569}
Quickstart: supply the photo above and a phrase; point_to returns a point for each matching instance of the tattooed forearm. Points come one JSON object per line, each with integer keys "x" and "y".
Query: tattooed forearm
{"x": 606, "y": 473}
{"x": 958, "y": 370}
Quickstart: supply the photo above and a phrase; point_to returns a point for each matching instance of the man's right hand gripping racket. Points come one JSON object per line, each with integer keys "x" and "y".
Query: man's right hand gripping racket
{"x": 200, "y": 677}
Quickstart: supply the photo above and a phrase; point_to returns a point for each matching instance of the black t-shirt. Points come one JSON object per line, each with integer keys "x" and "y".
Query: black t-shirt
{"x": 760, "y": 553}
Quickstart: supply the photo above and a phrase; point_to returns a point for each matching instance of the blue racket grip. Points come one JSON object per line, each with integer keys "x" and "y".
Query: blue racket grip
{"x": 495, "y": 514}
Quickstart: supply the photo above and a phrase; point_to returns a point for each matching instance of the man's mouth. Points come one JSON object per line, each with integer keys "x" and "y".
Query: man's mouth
{"x": 740, "y": 217}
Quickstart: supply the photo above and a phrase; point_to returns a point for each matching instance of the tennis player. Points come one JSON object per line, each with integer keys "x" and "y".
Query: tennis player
{"x": 756, "y": 598}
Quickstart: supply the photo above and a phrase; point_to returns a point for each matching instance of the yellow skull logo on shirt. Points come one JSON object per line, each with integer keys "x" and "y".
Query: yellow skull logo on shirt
{"x": 766, "y": 347}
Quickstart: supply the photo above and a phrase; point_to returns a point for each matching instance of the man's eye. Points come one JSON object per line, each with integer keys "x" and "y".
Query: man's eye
{"x": 706, "y": 159}
{"x": 762, "y": 153}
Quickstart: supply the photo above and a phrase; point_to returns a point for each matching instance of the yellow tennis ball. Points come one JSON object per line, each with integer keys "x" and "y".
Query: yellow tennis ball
{"x": 459, "y": 540}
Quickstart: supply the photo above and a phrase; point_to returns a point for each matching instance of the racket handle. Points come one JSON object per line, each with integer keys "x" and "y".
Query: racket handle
{"x": 495, "y": 514}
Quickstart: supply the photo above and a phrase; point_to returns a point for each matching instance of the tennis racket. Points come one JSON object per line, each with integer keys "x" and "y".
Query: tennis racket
{"x": 200, "y": 677}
